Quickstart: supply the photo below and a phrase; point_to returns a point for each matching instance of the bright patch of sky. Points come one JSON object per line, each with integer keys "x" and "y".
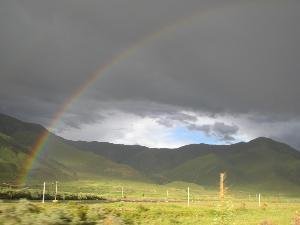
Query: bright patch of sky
{"x": 123, "y": 128}
{"x": 193, "y": 137}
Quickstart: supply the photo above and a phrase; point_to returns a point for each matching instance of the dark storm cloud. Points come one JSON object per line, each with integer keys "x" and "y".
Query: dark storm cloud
{"x": 230, "y": 57}
{"x": 220, "y": 130}
{"x": 238, "y": 60}
{"x": 48, "y": 48}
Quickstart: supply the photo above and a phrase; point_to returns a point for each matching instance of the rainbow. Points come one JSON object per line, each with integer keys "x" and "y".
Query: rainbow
{"x": 42, "y": 139}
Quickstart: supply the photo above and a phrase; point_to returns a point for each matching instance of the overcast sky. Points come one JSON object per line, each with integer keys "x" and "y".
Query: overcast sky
{"x": 193, "y": 71}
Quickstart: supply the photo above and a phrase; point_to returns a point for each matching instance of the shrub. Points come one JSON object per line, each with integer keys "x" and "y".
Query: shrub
{"x": 34, "y": 194}
{"x": 296, "y": 219}
{"x": 224, "y": 213}
{"x": 142, "y": 208}
{"x": 28, "y": 213}
{"x": 264, "y": 206}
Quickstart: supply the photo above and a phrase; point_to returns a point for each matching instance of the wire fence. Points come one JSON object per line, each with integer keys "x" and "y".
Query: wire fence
{"x": 133, "y": 193}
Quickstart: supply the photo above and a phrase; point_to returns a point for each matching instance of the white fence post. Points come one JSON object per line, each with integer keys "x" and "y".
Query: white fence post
{"x": 44, "y": 190}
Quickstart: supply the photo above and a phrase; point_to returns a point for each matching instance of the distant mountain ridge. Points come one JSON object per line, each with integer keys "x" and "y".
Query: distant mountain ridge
{"x": 245, "y": 163}
{"x": 261, "y": 163}
{"x": 57, "y": 161}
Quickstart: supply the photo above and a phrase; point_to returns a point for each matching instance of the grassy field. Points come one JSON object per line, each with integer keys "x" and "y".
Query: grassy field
{"x": 146, "y": 203}
{"x": 207, "y": 213}
{"x": 112, "y": 189}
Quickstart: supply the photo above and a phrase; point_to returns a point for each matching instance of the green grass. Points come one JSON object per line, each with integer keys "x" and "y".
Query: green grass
{"x": 231, "y": 212}
{"x": 207, "y": 213}
{"x": 112, "y": 189}
{"x": 146, "y": 203}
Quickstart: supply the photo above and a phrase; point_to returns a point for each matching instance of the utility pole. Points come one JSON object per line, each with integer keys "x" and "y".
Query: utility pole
{"x": 222, "y": 187}
{"x": 259, "y": 197}
{"x": 122, "y": 192}
{"x": 44, "y": 190}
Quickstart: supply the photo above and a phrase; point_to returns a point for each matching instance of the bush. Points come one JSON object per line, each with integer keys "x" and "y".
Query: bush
{"x": 142, "y": 208}
{"x": 16, "y": 194}
{"x": 28, "y": 213}
{"x": 296, "y": 220}
{"x": 224, "y": 213}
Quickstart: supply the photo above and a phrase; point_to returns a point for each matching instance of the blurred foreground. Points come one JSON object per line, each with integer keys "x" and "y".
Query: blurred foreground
{"x": 228, "y": 212}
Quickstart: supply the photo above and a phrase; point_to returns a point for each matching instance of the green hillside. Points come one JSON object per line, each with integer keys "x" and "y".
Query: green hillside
{"x": 261, "y": 164}
{"x": 84, "y": 164}
{"x": 57, "y": 161}
{"x": 23, "y": 133}
{"x": 149, "y": 160}
{"x": 11, "y": 158}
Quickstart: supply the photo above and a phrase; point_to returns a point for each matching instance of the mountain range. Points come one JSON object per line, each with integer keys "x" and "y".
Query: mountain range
{"x": 259, "y": 164}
